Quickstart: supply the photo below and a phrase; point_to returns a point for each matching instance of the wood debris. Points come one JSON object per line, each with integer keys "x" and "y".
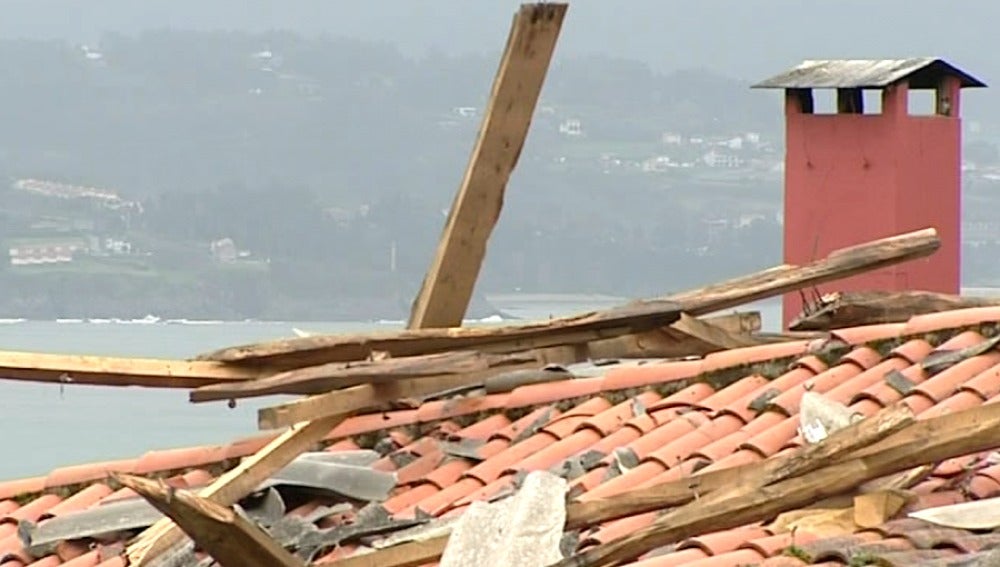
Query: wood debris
{"x": 929, "y": 441}
{"x": 839, "y": 310}
{"x": 231, "y": 539}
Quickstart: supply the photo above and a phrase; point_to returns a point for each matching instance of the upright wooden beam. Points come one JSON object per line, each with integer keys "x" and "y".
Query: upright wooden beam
{"x": 448, "y": 286}
{"x": 231, "y": 539}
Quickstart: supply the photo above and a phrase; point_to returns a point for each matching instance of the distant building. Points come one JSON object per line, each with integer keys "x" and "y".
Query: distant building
{"x": 52, "y": 252}
{"x": 571, "y": 127}
{"x": 658, "y": 164}
{"x": 224, "y": 250}
{"x": 721, "y": 159}
{"x": 671, "y": 138}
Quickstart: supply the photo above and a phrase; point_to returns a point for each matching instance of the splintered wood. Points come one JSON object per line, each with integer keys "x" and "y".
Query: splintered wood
{"x": 231, "y": 539}
{"x": 923, "y": 442}
{"x": 839, "y": 310}
{"x": 641, "y": 328}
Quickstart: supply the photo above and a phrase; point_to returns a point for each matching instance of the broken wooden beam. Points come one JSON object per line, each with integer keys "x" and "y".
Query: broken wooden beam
{"x": 857, "y": 308}
{"x": 632, "y": 318}
{"x": 687, "y": 336}
{"x": 230, "y": 538}
{"x": 839, "y": 264}
{"x": 318, "y": 350}
{"x": 934, "y": 440}
{"x": 116, "y": 371}
{"x": 448, "y": 285}
{"x": 235, "y": 484}
{"x": 327, "y": 377}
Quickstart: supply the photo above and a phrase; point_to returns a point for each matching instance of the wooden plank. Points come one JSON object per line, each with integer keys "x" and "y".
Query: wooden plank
{"x": 839, "y": 264}
{"x": 366, "y": 395}
{"x": 409, "y": 554}
{"x": 740, "y": 323}
{"x": 856, "y": 308}
{"x": 231, "y": 539}
{"x": 327, "y": 377}
{"x": 114, "y": 371}
{"x": 633, "y": 318}
{"x": 972, "y": 432}
{"x": 686, "y": 337}
{"x": 448, "y": 285}
{"x": 236, "y": 483}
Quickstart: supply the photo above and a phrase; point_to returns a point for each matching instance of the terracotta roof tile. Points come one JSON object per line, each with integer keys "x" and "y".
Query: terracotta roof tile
{"x": 608, "y": 447}
{"x": 788, "y": 401}
{"x": 717, "y": 543}
{"x": 649, "y": 374}
{"x": 749, "y": 355}
{"x": 869, "y": 333}
{"x": 945, "y": 320}
{"x": 548, "y": 392}
{"x": 675, "y": 559}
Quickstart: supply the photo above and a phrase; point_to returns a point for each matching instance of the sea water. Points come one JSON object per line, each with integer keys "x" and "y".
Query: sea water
{"x": 44, "y": 426}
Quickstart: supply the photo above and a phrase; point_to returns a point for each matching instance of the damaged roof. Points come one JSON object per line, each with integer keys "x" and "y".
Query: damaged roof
{"x": 920, "y": 72}
{"x": 384, "y": 474}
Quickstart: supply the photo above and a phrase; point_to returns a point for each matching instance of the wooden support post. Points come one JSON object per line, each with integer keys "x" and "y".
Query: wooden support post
{"x": 448, "y": 286}
{"x": 231, "y": 539}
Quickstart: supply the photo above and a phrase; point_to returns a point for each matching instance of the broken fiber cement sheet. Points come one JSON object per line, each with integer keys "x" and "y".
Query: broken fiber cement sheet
{"x": 522, "y": 530}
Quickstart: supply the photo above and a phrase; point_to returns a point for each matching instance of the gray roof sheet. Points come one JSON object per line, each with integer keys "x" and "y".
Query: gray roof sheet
{"x": 921, "y": 72}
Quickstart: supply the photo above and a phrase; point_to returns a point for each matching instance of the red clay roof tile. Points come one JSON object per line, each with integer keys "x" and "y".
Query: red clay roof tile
{"x": 986, "y": 383}
{"x": 716, "y": 543}
{"x": 750, "y": 355}
{"x": 548, "y": 392}
{"x": 771, "y": 440}
{"x": 932, "y": 322}
{"x": 675, "y": 559}
{"x": 788, "y": 402}
{"x": 812, "y": 362}
{"x": 613, "y": 418}
{"x": 628, "y": 445}
{"x": 869, "y": 333}
{"x": 13, "y": 488}
{"x": 649, "y": 374}
{"x": 730, "y": 559}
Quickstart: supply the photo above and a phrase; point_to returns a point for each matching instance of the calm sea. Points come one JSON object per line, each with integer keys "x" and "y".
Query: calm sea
{"x": 43, "y": 426}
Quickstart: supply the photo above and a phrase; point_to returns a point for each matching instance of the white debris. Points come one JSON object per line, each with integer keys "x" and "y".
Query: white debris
{"x": 819, "y": 417}
{"x": 522, "y": 530}
{"x": 976, "y": 515}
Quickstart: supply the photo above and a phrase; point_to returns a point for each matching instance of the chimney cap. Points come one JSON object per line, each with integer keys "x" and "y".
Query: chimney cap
{"x": 920, "y": 72}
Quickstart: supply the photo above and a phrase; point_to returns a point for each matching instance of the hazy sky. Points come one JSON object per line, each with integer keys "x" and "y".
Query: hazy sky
{"x": 747, "y": 40}
{"x": 742, "y": 39}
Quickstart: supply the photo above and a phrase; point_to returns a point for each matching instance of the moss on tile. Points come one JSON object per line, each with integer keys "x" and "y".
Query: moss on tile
{"x": 863, "y": 559}
{"x": 798, "y": 553}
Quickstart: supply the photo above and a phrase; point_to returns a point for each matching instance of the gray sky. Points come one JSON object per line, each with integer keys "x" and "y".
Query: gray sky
{"x": 742, "y": 39}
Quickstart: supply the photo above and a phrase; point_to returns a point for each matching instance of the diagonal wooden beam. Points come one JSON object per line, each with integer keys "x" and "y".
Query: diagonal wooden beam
{"x": 235, "y": 484}
{"x": 622, "y": 320}
{"x": 535, "y": 27}
{"x": 448, "y": 286}
{"x": 231, "y": 539}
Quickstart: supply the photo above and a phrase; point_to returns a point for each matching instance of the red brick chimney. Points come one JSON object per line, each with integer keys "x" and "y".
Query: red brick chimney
{"x": 853, "y": 175}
